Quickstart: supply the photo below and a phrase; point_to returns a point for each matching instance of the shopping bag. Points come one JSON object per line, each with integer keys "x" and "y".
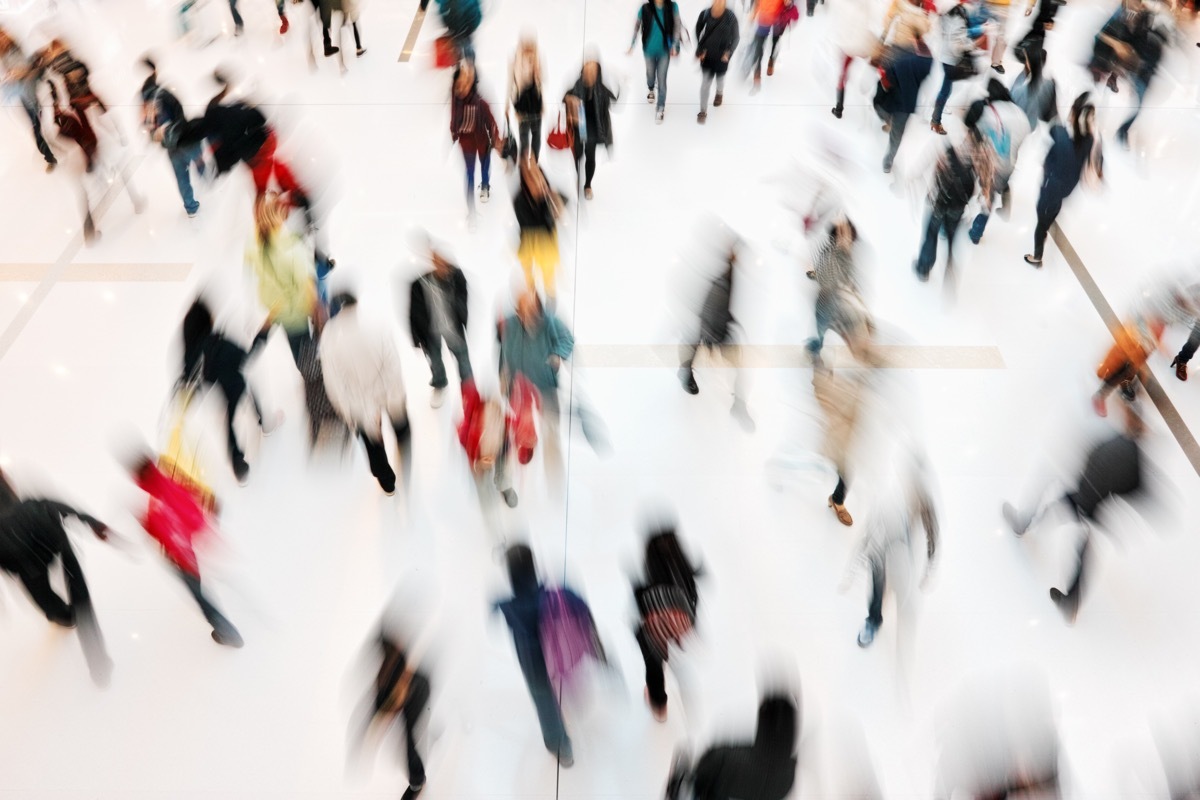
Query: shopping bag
{"x": 560, "y": 137}
{"x": 445, "y": 53}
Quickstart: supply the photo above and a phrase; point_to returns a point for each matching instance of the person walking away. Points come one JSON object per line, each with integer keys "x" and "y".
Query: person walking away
{"x": 537, "y": 207}
{"x": 666, "y": 602}
{"x": 955, "y": 176}
{"x": 788, "y": 16}
{"x": 1071, "y": 155}
{"x": 19, "y": 80}
{"x": 522, "y": 612}
{"x": 896, "y": 97}
{"x": 762, "y": 770}
{"x": 716, "y": 324}
{"x": 174, "y": 519}
{"x": 717, "y": 37}
{"x": 658, "y": 22}
{"x": 1135, "y": 342}
{"x": 854, "y": 39}
{"x": 589, "y": 113}
{"x": 461, "y": 18}
{"x": 437, "y": 313}
{"x": 525, "y": 96}
{"x": 473, "y": 127}
{"x": 485, "y": 433}
{"x": 1153, "y": 31}
{"x": 285, "y": 271}
{"x": 905, "y": 26}
{"x": 366, "y": 385}
{"x": 32, "y": 539}
{"x": 163, "y": 117}
{"x": 1112, "y": 51}
{"x": 1034, "y": 92}
{"x": 998, "y": 11}
{"x": 838, "y": 302}
{"x": 239, "y": 25}
{"x": 349, "y": 10}
{"x": 1004, "y": 127}
{"x": 1035, "y": 37}
{"x": 76, "y": 78}
{"x": 958, "y": 62}
{"x": 764, "y": 13}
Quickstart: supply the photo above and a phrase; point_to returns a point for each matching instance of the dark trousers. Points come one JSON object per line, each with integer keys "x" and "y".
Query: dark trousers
{"x": 35, "y": 121}
{"x": 234, "y": 391}
{"x": 656, "y": 683}
{"x": 1048, "y": 205}
{"x": 545, "y": 701}
{"x": 839, "y": 491}
{"x": 220, "y": 625}
{"x": 529, "y": 135}
{"x": 776, "y": 35}
{"x": 941, "y": 220}
{"x": 898, "y": 121}
{"x": 878, "y": 585}
{"x": 485, "y": 170}
{"x": 943, "y": 95}
{"x": 437, "y": 366}
{"x": 585, "y": 157}
{"x": 1190, "y": 346}
{"x": 377, "y": 453}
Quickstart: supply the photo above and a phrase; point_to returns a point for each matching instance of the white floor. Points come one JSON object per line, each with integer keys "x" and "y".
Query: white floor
{"x": 310, "y": 552}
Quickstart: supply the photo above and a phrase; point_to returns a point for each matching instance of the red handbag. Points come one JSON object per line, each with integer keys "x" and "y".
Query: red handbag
{"x": 561, "y": 138}
{"x": 445, "y": 54}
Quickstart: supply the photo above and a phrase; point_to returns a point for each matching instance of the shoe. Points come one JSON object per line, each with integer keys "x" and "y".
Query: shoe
{"x": 720, "y": 98}
{"x": 886, "y": 127}
{"x": 658, "y": 117}
{"x": 867, "y": 635}
{"x": 283, "y": 24}
{"x": 412, "y": 791}
{"x": 770, "y": 67}
{"x": 837, "y": 111}
{"x": 887, "y": 169}
{"x": 742, "y": 415}
{"x": 330, "y": 50}
{"x": 842, "y": 514}
{"x": 923, "y": 277}
{"x": 1180, "y": 368}
{"x": 688, "y": 379}
{"x": 811, "y": 274}
{"x": 1123, "y": 138}
{"x": 757, "y": 87}
{"x": 1067, "y": 604}
{"x": 999, "y": 68}
{"x": 1099, "y": 405}
{"x": 270, "y": 427}
{"x": 360, "y": 52}
{"x": 239, "y": 30}
{"x": 1033, "y": 261}
{"x": 1128, "y": 392}
{"x": 191, "y": 212}
{"x": 50, "y": 165}
{"x": 229, "y": 638}
{"x": 241, "y": 471}
{"x": 485, "y": 193}
{"x": 1112, "y": 83}
{"x": 437, "y": 398}
{"x": 937, "y": 128}
{"x": 1014, "y": 520}
{"x": 587, "y": 193}
{"x": 702, "y": 117}
{"x": 566, "y": 760}
{"x": 650, "y": 96}
{"x": 510, "y": 498}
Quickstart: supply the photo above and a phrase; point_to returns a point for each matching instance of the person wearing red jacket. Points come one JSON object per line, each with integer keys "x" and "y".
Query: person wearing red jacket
{"x": 174, "y": 518}
{"x": 474, "y": 128}
{"x": 485, "y": 433}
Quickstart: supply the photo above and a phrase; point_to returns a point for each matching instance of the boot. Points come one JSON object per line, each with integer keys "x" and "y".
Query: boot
{"x": 841, "y": 97}
{"x": 842, "y": 514}
{"x": 688, "y": 379}
{"x": 283, "y": 24}
{"x": 1180, "y": 368}
{"x": 770, "y": 66}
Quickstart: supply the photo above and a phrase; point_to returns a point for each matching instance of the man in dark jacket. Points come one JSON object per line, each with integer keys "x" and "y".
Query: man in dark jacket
{"x": 32, "y": 538}
{"x": 716, "y": 333}
{"x": 958, "y": 171}
{"x": 764, "y": 770}
{"x": 164, "y": 119}
{"x": 896, "y": 97}
{"x": 437, "y": 312}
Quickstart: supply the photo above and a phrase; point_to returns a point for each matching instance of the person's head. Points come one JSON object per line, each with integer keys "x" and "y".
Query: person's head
{"x": 997, "y": 92}
{"x": 197, "y": 325}
{"x": 522, "y": 572}
{"x": 1083, "y": 117}
{"x": 1035, "y": 60}
{"x": 843, "y": 233}
{"x": 591, "y": 73}
{"x": 270, "y": 212}
{"x": 147, "y": 63}
{"x": 441, "y": 266}
{"x": 528, "y": 43}
{"x": 464, "y": 79}
{"x": 778, "y": 721}
{"x": 529, "y": 307}
{"x": 664, "y": 557}
{"x": 532, "y": 178}
{"x": 343, "y": 301}
{"x": 718, "y": 8}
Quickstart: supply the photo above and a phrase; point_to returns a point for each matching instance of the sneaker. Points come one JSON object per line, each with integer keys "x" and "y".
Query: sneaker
{"x": 283, "y": 24}
{"x": 1015, "y": 521}
{"x": 867, "y": 634}
{"x": 937, "y": 128}
{"x": 413, "y": 791}
{"x": 229, "y": 638}
{"x": 330, "y": 50}
{"x": 688, "y": 379}
{"x": 770, "y": 67}
{"x": 999, "y": 68}
{"x": 702, "y": 117}
{"x": 437, "y": 398}
{"x": 837, "y": 111}
{"x": 510, "y": 498}
{"x": 241, "y": 471}
{"x": 1180, "y": 368}
{"x": 587, "y": 193}
{"x": 650, "y": 96}
{"x": 191, "y": 212}
{"x": 485, "y": 193}
{"x": 719, "y": 99}
{"x": 658, "y": 116}
{"x": 1067, "y": 604}
{"x": 389, "y": 490}
{"x": 842, "y": 514}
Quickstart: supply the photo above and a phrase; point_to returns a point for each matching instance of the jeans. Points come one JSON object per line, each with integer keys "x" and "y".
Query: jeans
{"x": 878, "y": 584}
{"x": 485, "y": 171}
{"x": 1048, "y": 205}
{"x": 899, "y": 121}
{"x": 181, "y": 161}
{"x": 377, "y": 452}
{"x": 706, "y": 81}
{"x": 824, "y": 308}
{"x": 939, "y": 105}
{"x": 554, "y": 733}
{"x": 940, "y": 221}
{"x": 656, "y": 684}
{"x": 237, "y": 18}
{"x": 1139, "y": 88}
{"x": 438, "y": 367}
{"x": 656, "y": 76}
{"x": 35, "y": 121}
{"x": 220, "y": 625}
{"x": 1190, "y": 346}
{"x": 1000, "y": 187}
{"x": 529, "y": 130}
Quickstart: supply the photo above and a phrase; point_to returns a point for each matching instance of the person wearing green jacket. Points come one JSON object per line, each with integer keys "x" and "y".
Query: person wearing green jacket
{"x": 534, "y": 343}
{"x": 285, "y": 270}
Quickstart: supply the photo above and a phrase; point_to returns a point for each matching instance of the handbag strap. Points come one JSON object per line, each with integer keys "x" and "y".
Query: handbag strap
{"x": 661, "y": 23}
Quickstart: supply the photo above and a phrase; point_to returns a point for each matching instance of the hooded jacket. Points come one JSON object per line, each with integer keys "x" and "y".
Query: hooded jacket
{"x": 471, "y": 122}
{"x": 362, "y": 372}
{"x": 765, "y": 770}
{"x": 235, "y": 132}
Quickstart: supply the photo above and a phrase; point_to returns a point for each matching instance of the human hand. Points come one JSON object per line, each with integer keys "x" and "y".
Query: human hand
{"x": 725, "y": 58}
{"x": 700, "y": 55}
{"x": 554, "y": 361}
{"x": 1028, "y": 11}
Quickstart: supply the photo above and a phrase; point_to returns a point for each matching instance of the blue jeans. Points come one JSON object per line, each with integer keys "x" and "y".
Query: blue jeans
{"x": 656, "y": 75}
{"x": 181, "y": 161}
{"x": 940, "y": 221}
{"x": 438, "y": 367}
{"x": 1139, "y": 88}
{"x": 824, "y": 312}
{"x": 939, "y": 105}
{"x": 554, "y": 733}
{"x": 237, "y": 18}
{"x": 485, "y": 171}
{"x": 35, "y": 121}
{"x": 1000, "y": 187}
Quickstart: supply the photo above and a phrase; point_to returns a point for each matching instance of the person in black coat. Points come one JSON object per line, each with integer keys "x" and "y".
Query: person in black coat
{"x": 896, "y": 97}
{"x": 163, "y": 118}
{"x": 591, "y": 98}
{"x": 437, "y": 312}
{"x": 666, "y": 603}
{"x": 209, "y": 359}
{"x": 764, "y": 770}
{"x": 716, "y": 38}
{"x": 32, "y": 538}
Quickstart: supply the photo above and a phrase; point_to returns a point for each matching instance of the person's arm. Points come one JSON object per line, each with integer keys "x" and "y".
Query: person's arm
{"x": 417, "y": 314}
{"x": 735, "y": 38}
{"x": 564, "y": 341}
{"x": 637, "y": 27}
{"x": 65, "y": 511}
{"x": 700, "y": 25}
{"x": 462, "y": 298}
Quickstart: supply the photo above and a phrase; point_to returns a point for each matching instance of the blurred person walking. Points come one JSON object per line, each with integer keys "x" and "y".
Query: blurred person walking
{"x": 958, "y": 57}
{"x": 437, "y": 313}
{"x": 589, "y": 114}
{"x": 461, "y": 18}
{"x": 285, "y": 271}
{"x": 854, "y": 38}
{"x": 366, "y": 385}
{"x": 239, "y": 25}
{"x": 842, "y": 397}
{"x": 764, "y": 13}
{"x": 1072, "y": 155}
{"x": 32, "y": 539}
{"x": 486, "y": 434}
{"x": 525, "y": 96}
{"x": 537, "y": 207}
{"x": 958, "y": 170}
{"x": 533, "y": 344}
{"x": 789, "y": 15}
{"x": 163, "y": 119}
{"x": 1003, "y": 127}
{"x": 717, "y": 38}
{"x": 349, "y": 9}
{"x": 1034, "y": 92}
{"x": 896, "y": 95}
{"x": 473, "y": 127}
{"x": 19, "y": 79}
{"x": 659, "y": 24}
{"x": 1135, "y": 342}
{"x": 838, "y": 307}
{"x": 57, "y": 59}
{"x": 1154, "y": 31}
{"x": 905, "y": 26}
{"x": 998, "y": 11}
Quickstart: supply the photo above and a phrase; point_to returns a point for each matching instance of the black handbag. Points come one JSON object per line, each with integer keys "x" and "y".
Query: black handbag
{"x": 508, "y": 145}
{"x": 965, "y": 68}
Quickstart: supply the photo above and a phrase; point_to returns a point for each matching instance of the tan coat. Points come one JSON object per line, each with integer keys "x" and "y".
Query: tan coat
{"x": 841, "y": 396}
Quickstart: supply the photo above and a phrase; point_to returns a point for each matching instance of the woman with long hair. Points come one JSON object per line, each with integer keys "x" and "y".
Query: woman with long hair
{"x": 285, "y": 270}
{"x": 525, "y": 96}
{"x": 589, "y": 108}
{"x": 666, "y": 603}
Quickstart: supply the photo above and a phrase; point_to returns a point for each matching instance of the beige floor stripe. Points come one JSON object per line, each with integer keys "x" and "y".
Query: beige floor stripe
{"x": 413, "y": 33}
{"x": 793, "y": 356}
{"x": 97, "y": 273}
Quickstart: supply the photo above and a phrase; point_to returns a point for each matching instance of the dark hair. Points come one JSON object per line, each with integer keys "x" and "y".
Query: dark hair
{"x": 997, "y": 91}
{"x": 197, "y": 327}
{"x": 342, "y": 300}
{"x": 666, "y": 563}
{"x": 778, "y": 719}
{"x": 1081, "y": 138}
{"x": 149, "y": 64}
{"x": 1035, "y": 60}
{"x": 522, "y": 572}
{"x": 8, "y": 495}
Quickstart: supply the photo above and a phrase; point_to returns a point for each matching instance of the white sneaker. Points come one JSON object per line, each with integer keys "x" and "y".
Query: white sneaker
{"x": 658, "y": 117}
{"x": 272, "y": 423}
{"x": 437, "y": 398}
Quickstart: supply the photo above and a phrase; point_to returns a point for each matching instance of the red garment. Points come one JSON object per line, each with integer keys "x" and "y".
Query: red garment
{"x": 264, "y": 165}
{"x": 524, "y": 399}
{"x": 173, "y": 518}
{"x": 787, "y": 15}
{"x": 472, "y": 124}
{"x": 471, "y": 429}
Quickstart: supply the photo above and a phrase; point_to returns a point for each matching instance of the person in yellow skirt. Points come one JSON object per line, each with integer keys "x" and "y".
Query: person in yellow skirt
{"x": 538, "y": 207}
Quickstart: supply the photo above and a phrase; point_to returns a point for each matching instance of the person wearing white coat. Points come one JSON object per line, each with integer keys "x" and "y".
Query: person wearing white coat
{"x": 853, "y": 35}
{"x": 365, "y": 385}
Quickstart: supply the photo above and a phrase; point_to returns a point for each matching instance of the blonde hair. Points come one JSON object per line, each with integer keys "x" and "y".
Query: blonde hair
{"x": 270, "y": 212}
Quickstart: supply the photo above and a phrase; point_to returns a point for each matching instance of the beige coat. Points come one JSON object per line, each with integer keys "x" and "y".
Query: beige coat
{"x": 841, "y": 395}
{"x": 905, "y": 25}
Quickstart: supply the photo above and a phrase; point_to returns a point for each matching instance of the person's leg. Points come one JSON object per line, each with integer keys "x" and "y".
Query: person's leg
{"x": 86, "y": 625}
{"x": 403, "y": 433}
{"x": 662, "y": 64}
{"x": 895, "y": 134}
{"x": 839, "y": 491}
{"x": 436, "y": 365}
{"x": 524, "y": 136}
{"x": 1048, "y": 206}
{"x": 589, "y": 150}
{"x": 462, "y": 357}
{"x": 414, "y": 708}
{"x": 223, "y": 629}
{"x": 1190, "y": 346}
{"x": 841, "y": 86}
{"x": 35, "y": 122}
{"x": 656, "y": 686}
{"x": 950, "y": 222}
{"x": 878, "y": 585}
{"x": 939, "y": 104}
{"x": 237, "y": 18}
{"x": 233, "y": 396}
{"x": 651, "y": 74}
{"x": 469, "y": 158}
{"x": 1001, "y": 14}
{"x": 485, "y": 168}
{"x": 181, "y": 163}
{"x": 358, "y": 47}
{"x": 720, "y": 89}
{"x": 378, "y": 460}
{"x": 1139, "y": 89}
{"x": 554, "y": 733}
{"x": 775, "y": 36}
{"x": 57, "y": 610}
{"x": 928, "y": 253}
{"x": 1068, "y": 601}
{"x": 706, "y": 79}
{"x": 535, "y": 128}
{"x": 822, "y": 309}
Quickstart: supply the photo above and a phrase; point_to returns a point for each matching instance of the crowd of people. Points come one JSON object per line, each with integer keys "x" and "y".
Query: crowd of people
{"x": 355, "y": 387}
